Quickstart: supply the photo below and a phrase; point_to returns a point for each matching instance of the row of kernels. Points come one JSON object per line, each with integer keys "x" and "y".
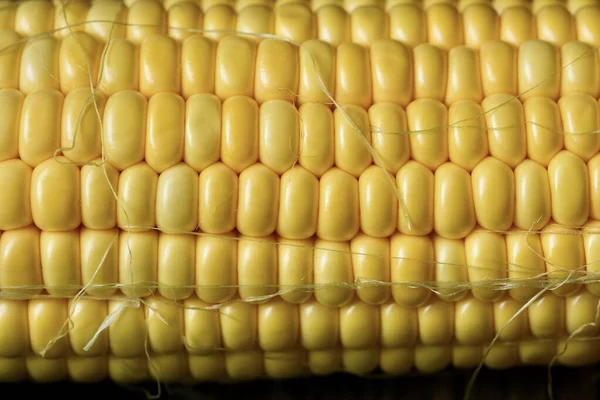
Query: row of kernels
{"x": 163, "y": 327}
{"x": 405, "y": 22}
{"x": 58, "y": 196}
{"x": 164, "y": 131}
{"x": 297, "y": 205}
{"x": 350, "y": 5}
{"x": 237, "y": 4}
{"x": 314, "y": 72}
{"x": 218, "y": 268}
{"x": 253, "y": 364}
{"x": 171, "y": 368}
{"x": 536, "y": 5}
{"x": 239, "y": 132}
{"x": 470, "y": 321}
{"x": 499, "y": 5}
{"x": 441, "y": 24}
{"x": 529, "y": 197}
{"x": 390, "y": 72}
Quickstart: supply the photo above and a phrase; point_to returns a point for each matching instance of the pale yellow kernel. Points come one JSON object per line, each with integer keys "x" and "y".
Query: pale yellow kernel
{"x": 412, "y": 261}
{"x": 319, "y": 326}
{"x": 487, "y": 260}
{"x": 298, "y": 204}
{"x": 257, "y": 268}
{"x": 258, "y": 201}
{"x": 339, "y": 216}
{"x": 216, "y": 268}
{"x": 332, "y": 273}
{"x": 295, "y": 272}
{"x": 55, "y": 195}
{"x": 454, "y": 210}
{"x": 570, "y": 189}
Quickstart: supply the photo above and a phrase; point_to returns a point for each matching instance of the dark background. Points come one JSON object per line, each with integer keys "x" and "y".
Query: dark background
{"x": 514, "y": 384}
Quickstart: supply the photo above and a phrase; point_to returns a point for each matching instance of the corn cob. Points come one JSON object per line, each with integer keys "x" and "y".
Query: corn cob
{"x": 335, "y": 22}
{"x": 250, "y": 238}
